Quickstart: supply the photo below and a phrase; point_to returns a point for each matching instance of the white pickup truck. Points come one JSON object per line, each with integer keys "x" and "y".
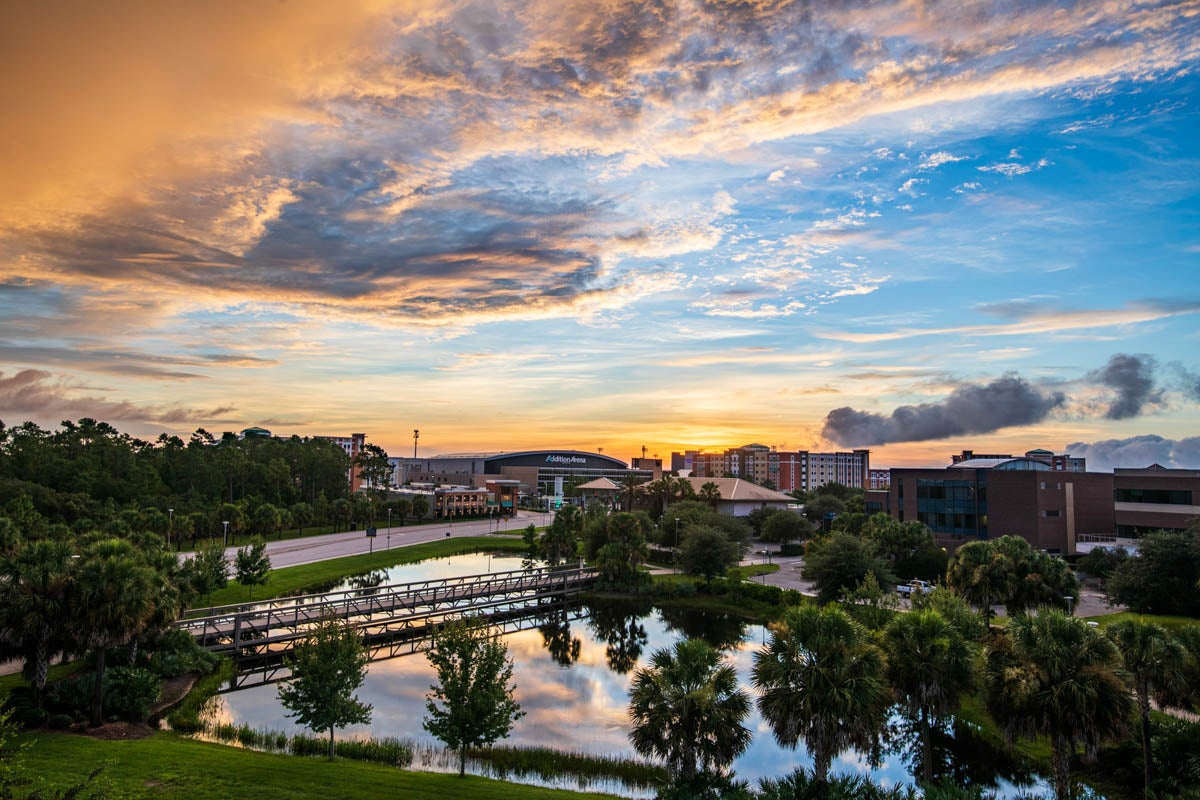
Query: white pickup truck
{"x": 907, "y": 589}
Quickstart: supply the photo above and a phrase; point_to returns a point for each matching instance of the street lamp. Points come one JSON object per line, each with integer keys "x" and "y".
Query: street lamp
{"x": 170, "y": 524}
{"x": 675, "y": 560}
{"x": 389, "y": 535}
{"x": 225, "y": 533}
{"x": 1070, "y": 604}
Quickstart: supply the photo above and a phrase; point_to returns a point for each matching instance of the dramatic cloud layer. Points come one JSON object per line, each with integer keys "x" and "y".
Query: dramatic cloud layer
{"x": 1004, "y": 402}
{"x": 286, "y": 208}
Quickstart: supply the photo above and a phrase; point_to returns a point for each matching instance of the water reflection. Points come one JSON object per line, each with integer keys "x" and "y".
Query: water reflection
{"x": 619, "y": 625}
{"x": 573, "y": 674}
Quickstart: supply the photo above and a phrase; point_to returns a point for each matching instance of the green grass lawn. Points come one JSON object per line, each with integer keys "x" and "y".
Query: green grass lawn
{"x": 293, "y": 580}
{"x": 166, "y": 766}
{"x": 57, "y": 673}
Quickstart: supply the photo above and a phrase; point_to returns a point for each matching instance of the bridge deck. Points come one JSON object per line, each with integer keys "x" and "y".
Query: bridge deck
{"x": 258, "y": 627}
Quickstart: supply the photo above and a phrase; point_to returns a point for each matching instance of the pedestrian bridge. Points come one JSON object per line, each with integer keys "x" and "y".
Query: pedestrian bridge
{"x": 392, "y": 620}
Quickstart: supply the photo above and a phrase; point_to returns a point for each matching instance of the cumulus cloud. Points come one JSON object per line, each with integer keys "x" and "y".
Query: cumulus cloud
{"x": 1007, "y": 401}
{"x": 1131, "y": 377}
{"x": 1137, "y": 452}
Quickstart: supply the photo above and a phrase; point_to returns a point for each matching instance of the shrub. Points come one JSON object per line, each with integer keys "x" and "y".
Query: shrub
{"x": 130, "y": 692}
{"x": 791, "y": 549}
{"x": 176, "y": 653}
{"x": 60, "y": 722}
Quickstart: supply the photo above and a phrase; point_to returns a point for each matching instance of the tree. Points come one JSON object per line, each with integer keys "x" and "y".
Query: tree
{"x": 1154, "y": 664}
{"x": 114, "y": 598}
{"x": 252, "y": 564}
{"x": 707, "y": 552}
{"x": 929, "y": 669}
{"x": 207, "y": 571}
{"x": 1054, "y": 676}
{"x": 819, "y": 508}
{"x": 1162, "y": 577}
{"x": 35, "y": 587}
{"x": 374, "y": 467}
{"x": 821, "y": 679}
{"x": 560, "y": 542}
{"x": 838, "y": 563}
{"x": 420, "y": 507}
{"x": 786, "y": 526}
{"x": 472, "y": 703}
{"x": 302, "y": 514}
{"x": 327, "y": 668}
{"x": 268, "y": 519}
{"x": 686, "y": 708}
{"x": 980, "y": 575}
{"x": 711, "y": 494}
{"x": 621, "y": 557}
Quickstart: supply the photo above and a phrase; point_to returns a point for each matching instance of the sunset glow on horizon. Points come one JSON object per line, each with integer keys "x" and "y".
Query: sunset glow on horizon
{"x": 913, "y": 227}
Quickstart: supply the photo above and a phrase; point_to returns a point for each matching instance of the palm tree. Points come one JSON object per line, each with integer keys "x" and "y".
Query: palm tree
{"x": 929, "y": 668}
{"x": 116, "y": 599}
{"x": 711, "y": 494}
{"x": 1054, "y": 675}
{"x": 36, "y": 588}
{"x": 821, "y": 679}
{"x": 980, "y": 574}
{"x": 686, "y": 709}
{"x": 1154, "y": 663}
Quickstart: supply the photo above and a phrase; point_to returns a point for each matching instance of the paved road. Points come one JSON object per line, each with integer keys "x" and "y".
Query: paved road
{"x": 1092, "y": 603}
{"x": 309, "y": 549}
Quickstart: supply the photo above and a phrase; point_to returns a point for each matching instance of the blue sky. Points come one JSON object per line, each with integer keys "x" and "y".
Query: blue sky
{"x": 914, "y": 227}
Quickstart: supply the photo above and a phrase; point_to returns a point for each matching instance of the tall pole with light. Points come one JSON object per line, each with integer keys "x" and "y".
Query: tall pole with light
{"x": 225, "y": 533}
{"x": 675, "y": 565}
{"x": 389, "y": 533}
{"x": 170, "y": 524}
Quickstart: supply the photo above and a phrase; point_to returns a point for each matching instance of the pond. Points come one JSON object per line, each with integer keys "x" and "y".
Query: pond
{"x": 573, "y": 673}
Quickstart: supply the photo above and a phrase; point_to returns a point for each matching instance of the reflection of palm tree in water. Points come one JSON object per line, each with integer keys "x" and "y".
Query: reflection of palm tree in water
{"x": 368, "y": 582}
{"x": 620, "y": 626}
{"x": 556, "y": 636}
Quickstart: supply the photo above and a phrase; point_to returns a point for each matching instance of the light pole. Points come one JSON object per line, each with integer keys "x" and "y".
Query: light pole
{"x": 675, "y": 560}
{"x": 170, "y": 524}
{"x": 1070, "y": 604}
{"x": 389, "y": 535}
{"x": 225, "y": 533}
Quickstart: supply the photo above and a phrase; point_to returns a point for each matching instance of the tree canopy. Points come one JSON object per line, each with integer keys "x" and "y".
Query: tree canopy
{"x": 327, "y": 667}
{"x": 472, "y": 703}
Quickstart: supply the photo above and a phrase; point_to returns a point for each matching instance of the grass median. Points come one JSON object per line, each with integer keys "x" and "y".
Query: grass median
{"x": 312, "y": 577}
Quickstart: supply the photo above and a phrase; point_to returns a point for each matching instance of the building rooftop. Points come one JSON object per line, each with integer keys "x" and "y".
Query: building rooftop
{"x": 738, "y": 490}
{"x": 1017, "y": 463}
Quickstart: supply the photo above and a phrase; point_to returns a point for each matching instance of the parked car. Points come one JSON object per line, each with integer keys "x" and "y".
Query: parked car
{"x": 907, "y": 589}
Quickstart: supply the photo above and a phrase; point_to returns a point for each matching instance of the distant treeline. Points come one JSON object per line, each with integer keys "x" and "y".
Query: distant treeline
{"x": 88, "y": 474}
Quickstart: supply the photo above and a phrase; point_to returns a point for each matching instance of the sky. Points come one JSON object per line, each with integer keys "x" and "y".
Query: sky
{"x": 914, "y": 227}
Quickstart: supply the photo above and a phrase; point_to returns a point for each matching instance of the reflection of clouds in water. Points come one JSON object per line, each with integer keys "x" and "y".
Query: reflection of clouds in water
{"x": 580, "y": 708}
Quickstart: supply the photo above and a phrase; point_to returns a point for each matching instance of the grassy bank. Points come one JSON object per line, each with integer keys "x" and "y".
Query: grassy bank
{"x": 306, "y": 577}
{"x": 165, "y": 766}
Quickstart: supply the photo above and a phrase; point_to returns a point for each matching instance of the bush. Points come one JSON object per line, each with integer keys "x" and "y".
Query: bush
{"x": 60, "y": 722}
{"x": 176, "y": 653}
{"x": 74, "y": 695}
{"x": 791, "y": 549}
{"x": 130, "y": 692}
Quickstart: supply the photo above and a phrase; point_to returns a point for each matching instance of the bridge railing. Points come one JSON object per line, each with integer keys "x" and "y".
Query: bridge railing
{"x": 231, "y": 626}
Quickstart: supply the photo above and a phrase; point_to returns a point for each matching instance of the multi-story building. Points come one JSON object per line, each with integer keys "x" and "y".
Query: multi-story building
{"x": 985, "y": 498}
{"x": 879, "y": 479}
{"x": 787, "y": 471}
{"x": 1155, "y": 498}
